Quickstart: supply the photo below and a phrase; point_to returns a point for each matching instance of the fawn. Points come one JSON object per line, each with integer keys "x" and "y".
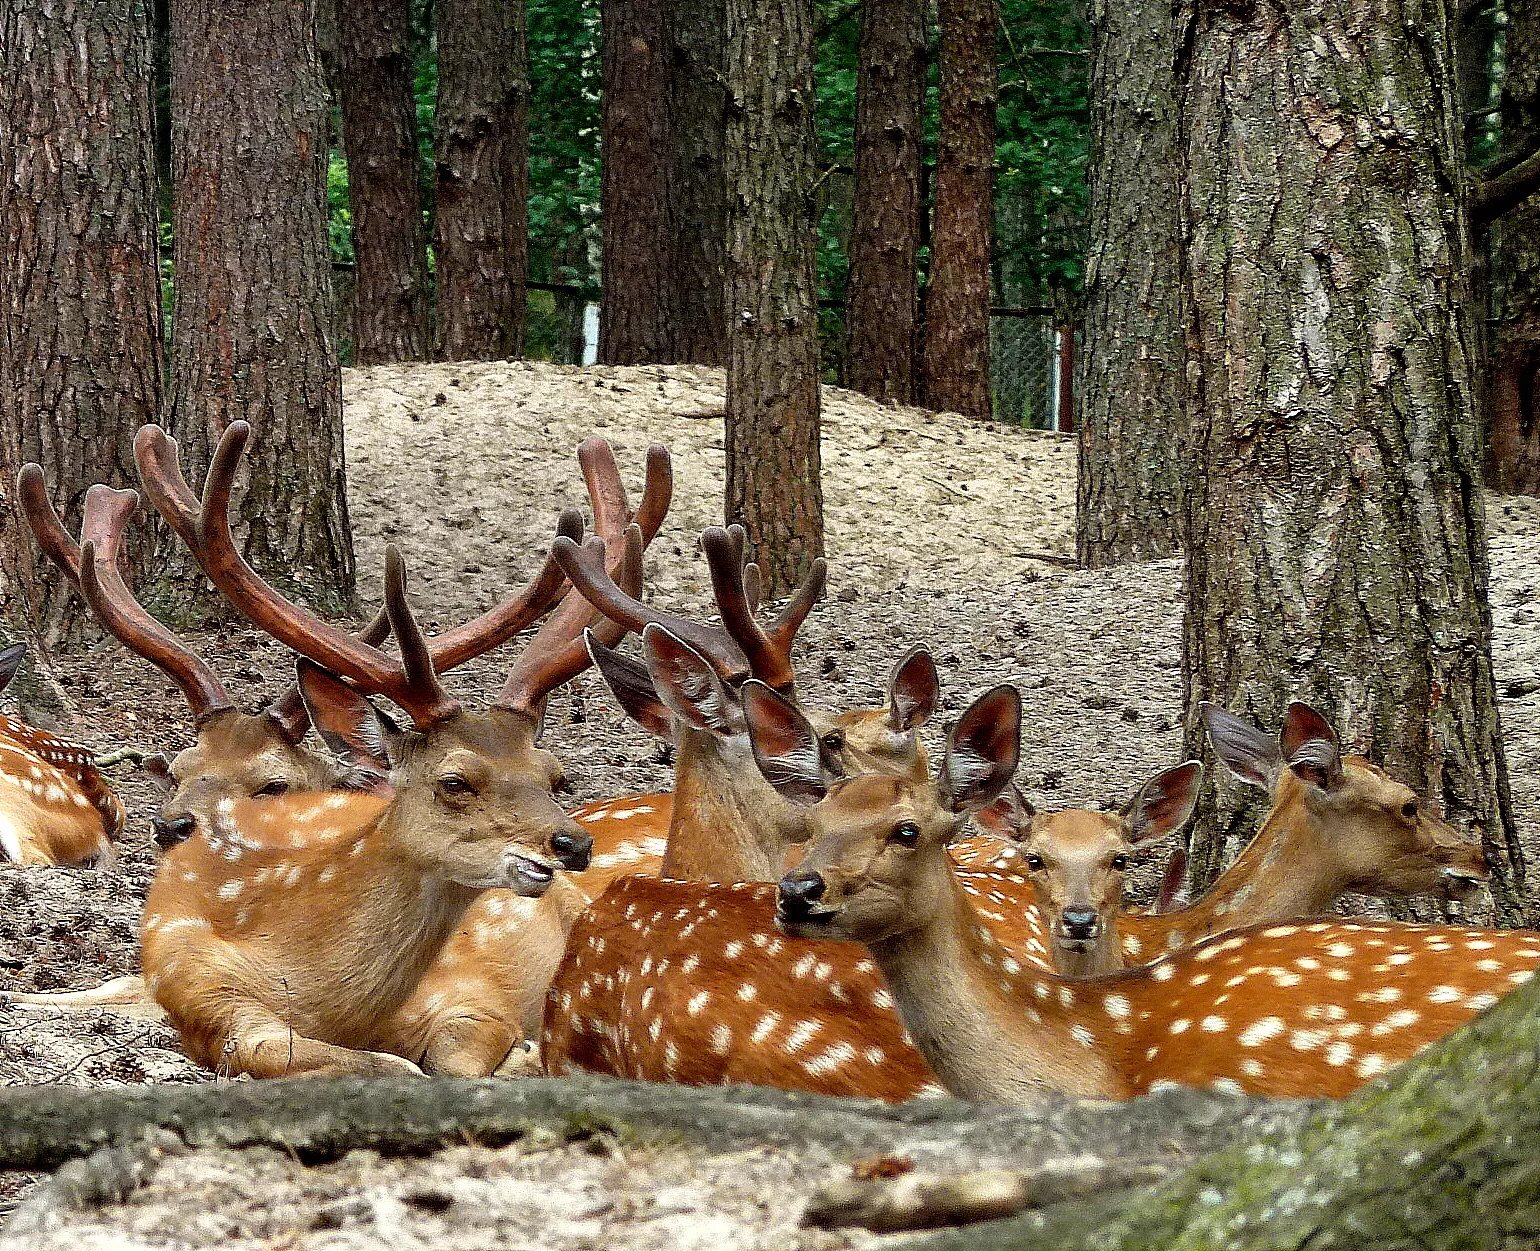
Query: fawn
{"x": 1298, "y": 1010}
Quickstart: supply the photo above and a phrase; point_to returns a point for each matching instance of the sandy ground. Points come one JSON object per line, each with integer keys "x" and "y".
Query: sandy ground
{"x": 939, "y": 529}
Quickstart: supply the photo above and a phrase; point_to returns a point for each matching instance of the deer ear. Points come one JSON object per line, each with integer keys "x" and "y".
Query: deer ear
{"x": 1009, "y": 817}
{"x": 158, "y": 769}
{"x": 1169, "y": 895}
{"x": 1164, "y": 803}
{"x": 786, "y": 747}
{"x": 1246, "y": 751}
{"x": 1309, "y": 746}
{"x": 687, "y": 684}
{"x": 347, "y": 722}
{"x": 10, "y": 661}
{"x": 631, "y": 684}
{"x": 982, "y": 750}
{"x": 914, "y": 690}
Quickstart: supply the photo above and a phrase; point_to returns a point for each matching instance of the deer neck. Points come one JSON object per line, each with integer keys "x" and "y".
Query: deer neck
{"x": 978, "y": 1018}
{"x": 727, "y": 825}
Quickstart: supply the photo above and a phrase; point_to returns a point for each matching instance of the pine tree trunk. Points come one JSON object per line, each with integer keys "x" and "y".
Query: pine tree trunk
{"x": 956, "y": 353}
{"x": 1513, "y": 277}
{"x": 1132, "y": 416}
{"x": 1335, "y": 530}
{"x": 80, "y": 334}
{"x": 481, "y": 202}
{"x": 882, "y": 297}
{"x": 379, "y": 129}
{"x": 252, "y": 322}
{"x": 698, "y": 101}
{"x": 634, "y": 318}
{"x": 773, "y": 468}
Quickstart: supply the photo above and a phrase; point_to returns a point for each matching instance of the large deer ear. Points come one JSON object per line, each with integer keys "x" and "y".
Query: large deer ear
{"x": 1246, "y": 751}
{"x": 1009, "y": 817}
{"x": 914, "y": 690}
{"x": 347, "y": 722}
{"x": 688, "y": 685}
{"x": 982, "y": 751}
{"x": 1309, "y": 746}
{"x": 631, "y": 683}
{"x": 786, "y": 747}
{"x": 1164, "y": 803}
{"x": 10, "y": 661}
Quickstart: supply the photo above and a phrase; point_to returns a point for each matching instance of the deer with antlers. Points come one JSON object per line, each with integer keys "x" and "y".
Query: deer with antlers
{"x": 1296, "y": 1010}
{"x": 55, "y": 805}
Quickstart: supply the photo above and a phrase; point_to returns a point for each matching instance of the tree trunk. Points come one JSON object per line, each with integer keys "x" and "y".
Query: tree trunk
{"x": 481, "y": 239}
{"x": 1513, "y": 275}
{"x": 698, "y": 101}
{"x": 80, "y": 335}
{"x": 252, "y": 321}
{"x": 773, "y": 468}
{"x": 882, "y": 296}
{"x": 956, "y": 353}
{"x": 1335, "y": 530}
{"x": 1132, "y": 416}
{"x": 634, "y": 317}
{"x": 379, "y": 129}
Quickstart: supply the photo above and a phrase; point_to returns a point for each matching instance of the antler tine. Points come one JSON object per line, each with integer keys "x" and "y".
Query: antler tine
{"x": 657, "y": 493}
{"x": 176, "y": 504}
{"x": 584, "y": 567}
{"x": 769, "y": 651}
{"x": 784, "y": 630}
{"x": 558, "y": 653}
{"x": 296, "y": 628}
{"x": 420, "y": 692}
{"x": 47, "y": 529}
{"x": 753, "y": 586}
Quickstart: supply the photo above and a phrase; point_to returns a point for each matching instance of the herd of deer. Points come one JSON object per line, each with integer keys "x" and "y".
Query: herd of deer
{"x": 807, "y": 909}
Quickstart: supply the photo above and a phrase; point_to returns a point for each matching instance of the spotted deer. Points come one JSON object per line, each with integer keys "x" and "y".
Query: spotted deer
{"x": 1338, "y": 824}
{"x": 55, "y": 805}
{"x": 1311, "y": 1009}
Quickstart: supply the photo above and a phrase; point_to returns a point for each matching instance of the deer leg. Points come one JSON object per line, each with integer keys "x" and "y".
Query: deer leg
{"x": 262, "y": 1045}
{"x": 468, "y": 1043}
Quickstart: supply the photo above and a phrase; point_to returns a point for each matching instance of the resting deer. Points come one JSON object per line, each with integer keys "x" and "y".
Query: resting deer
{"x": 1300, "y": 1010}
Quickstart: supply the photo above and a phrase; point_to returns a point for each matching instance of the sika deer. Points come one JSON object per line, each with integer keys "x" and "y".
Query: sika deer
{"x": 1304, "y": 1010}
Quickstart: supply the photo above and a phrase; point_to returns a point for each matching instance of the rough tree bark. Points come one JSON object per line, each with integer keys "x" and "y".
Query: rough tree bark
{"x": 882, "y": 296}
{"x": 1513, "y": 275}
{"x": 379, "y": 131}
{"x": 635, "y": 321}
{"x": 698, "y": 103}
{"x": 773, "y": 467}
{"x": 1132, "y": 413}
{"x": 80, "y": 338}
{"x": 252, "y": 333}
{"x": 955, "y": 357}
{"x": 1335, "y": 531}
{"x": 481, "y": 202}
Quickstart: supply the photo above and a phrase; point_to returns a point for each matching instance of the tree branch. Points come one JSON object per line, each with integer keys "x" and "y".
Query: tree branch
{"x": 1503, "y": 192}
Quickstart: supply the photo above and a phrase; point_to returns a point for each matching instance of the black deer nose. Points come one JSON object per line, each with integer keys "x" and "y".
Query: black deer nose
{"x": 800, "y": 890}
{"x": 572, "y": 848}
{"x": 1079, "y": 922}
{"x": 169, "y": 832}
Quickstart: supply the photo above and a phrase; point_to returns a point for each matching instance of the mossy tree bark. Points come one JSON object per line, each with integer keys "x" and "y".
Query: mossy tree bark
{"x": 379, "y": 129}
{"x": 252, "y": 332}
{"x": 774, "y": 482}
{"x": 1132, "y": 413}
{"x": 635, "y": 317}
{"x": 882, "y": 297}
{"x": 1334, "y": 521}
{"x": 80, "y": 335}
{"x": 481, "y": 187}
{"x": 955, "y": 356}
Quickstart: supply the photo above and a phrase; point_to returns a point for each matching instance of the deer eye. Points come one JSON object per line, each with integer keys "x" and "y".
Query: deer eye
{"x": 905, "y": 834}
{"x": 1409, "y": 810}
{"x": 276, "y": 787}
{"x": 1120, "y": 862}
{"x": 1034, "y": 861}
{"x": 834, "y": 740}
{"x": 456, "y": 786}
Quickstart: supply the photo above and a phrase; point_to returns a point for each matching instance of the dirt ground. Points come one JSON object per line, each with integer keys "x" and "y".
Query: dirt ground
{"x": 940, "y": 530}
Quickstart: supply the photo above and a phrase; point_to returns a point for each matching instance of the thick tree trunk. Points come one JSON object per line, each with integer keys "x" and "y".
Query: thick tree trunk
{"x": 635, "y": 321}
{"x": 481, "y": 203}
{"x": 379, "y": 130}
{"x": 252, "y": 322}
{"x": 955, "y": 373}
{"x": 773, "y": 467}
{"x": 1132, "y": 414}
{"x": 80, "y": 337}
{"x": 1513, "y": 275}
{"x": 1335, "y": 531}
{"x": 698, "y": 99}
{"x": 882, "y": 296}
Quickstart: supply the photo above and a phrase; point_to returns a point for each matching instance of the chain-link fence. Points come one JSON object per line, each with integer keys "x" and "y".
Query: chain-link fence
{"x": 1025, "y": 350}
